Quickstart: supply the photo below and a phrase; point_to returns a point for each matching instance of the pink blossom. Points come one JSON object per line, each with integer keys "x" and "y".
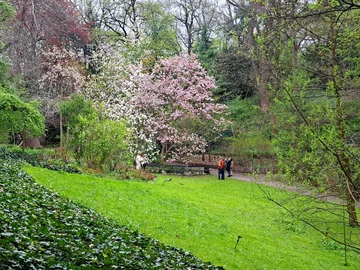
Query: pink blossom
{"x": 173, "y": 105}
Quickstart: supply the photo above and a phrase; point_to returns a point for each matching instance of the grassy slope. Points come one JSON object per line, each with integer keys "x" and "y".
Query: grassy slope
{"x": 204, "y": 216}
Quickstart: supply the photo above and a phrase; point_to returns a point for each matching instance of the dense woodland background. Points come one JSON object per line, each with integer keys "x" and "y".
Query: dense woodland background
{"x": 274, "y": 84}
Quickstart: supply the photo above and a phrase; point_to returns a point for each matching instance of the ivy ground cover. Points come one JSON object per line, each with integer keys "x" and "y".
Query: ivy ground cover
{"x": 206, "y": 217}
{"x": 42, "y": 230}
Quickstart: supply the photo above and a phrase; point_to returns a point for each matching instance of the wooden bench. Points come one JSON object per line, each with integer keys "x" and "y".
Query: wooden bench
{"x": 175, "y": 168}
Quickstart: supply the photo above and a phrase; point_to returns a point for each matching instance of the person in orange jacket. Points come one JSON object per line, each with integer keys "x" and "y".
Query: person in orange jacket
{"x": 221, "y": 169}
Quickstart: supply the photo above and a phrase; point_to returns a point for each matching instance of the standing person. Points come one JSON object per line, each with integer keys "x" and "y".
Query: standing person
{"x": 221, "y": 169}
{"x": 229, "y": 166}
{"x": 144, "y": 162}
{"x": 139, "y": 160}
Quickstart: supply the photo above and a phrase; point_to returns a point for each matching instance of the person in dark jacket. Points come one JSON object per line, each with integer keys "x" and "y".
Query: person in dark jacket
{"x": 229, "y": 166}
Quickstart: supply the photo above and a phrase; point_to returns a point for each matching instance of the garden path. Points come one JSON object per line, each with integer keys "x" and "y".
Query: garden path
{"x": 258, "y": 179}
{"x": 263, "y": 179}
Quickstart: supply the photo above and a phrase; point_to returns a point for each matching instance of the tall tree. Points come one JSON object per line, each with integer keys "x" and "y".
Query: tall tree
{"x": 159, "y": 31}
{"x": 233, "y": 74}
{"x": 171, "y": 106}
{"x": 62, "y": 76}
{"x": 46, "y": 23}
{"x": 258, "y": 25}
{"x": 317, "y": 90}
{"x": 180, "y": 103}
{"x": 7, "y": 12}
{"x": 112, "y": 87}
{"x": 117, "y": 20}
{"x": 39, "y": 25}
{"x": 192, "y": 16}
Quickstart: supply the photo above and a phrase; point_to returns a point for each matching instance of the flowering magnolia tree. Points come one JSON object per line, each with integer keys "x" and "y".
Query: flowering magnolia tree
{"x": 176, "y": 96}
{"x": 113, "y": 89}
{"x": 172, "y": 107}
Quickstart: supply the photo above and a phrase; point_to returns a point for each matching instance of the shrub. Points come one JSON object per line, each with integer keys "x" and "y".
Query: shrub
{"x": 98, "y": 142}
{"x": 127, "y": 173}
{"x": 19, "y": 116}
{"x": 104, "y": 144}
{"x": 250, "y": 146}
{"x": 35, "y": 157}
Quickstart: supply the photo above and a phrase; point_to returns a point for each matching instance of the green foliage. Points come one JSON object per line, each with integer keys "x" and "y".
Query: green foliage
{"x": 77, "y": 111}
{"x": 9, "y": 83}
{"x": 97, "y": 142}
{"x": 77, "y": 105}
{"x": 251, "y": 130}
{"x": 353, "y": 117}
{"x": 251, "y": 141}
{"x": 207, "y": 51}
{"x": 103, "y": 143}
{"x": 252, "y": 152}
{"x": 232, "y": 76}
{"x": 19, "y": 116}
{"x": 4, "y": 76}
{"x": 250, "y": 146}
{"x": 4, "y": 137}
{"x": 41, "y": 230}
{"x": 160, "y": 31}
{"x": 308, "y": 141}
{"x": 159, "y": 36}
{"x": 38, "y": 158}
{"x": 248, "y": 117}
{"x": 6, "y": 11}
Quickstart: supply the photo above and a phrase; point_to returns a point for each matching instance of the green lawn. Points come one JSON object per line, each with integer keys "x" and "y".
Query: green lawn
{"x": 205, "y": 216}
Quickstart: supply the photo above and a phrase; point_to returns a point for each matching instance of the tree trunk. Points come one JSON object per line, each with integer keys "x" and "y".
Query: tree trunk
{"x": 163, "y": 152}
{"x": 344, "y": 163}
{"x": 260, "y": 69}
{"x": 351, "y": 209}
{"x": 263, "y": 93}
{"x": 61, "y": 132}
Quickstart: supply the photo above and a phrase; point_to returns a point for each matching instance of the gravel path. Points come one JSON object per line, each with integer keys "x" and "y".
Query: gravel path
{"x": 259, "y": 179}
{"x": 262, "y": 179}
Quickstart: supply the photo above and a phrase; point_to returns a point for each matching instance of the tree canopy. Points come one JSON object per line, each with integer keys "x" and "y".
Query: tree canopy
{"x": 18, "y": 116}
{"x": 166, "y": 106}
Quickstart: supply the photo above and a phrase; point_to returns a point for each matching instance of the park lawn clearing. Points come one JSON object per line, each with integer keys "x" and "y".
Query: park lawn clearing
{"x": 41, "y": 230}
{"x": 205, "y": 217}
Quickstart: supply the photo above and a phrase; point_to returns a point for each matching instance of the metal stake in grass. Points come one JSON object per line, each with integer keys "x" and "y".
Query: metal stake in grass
{"x": 237, "y": 242}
